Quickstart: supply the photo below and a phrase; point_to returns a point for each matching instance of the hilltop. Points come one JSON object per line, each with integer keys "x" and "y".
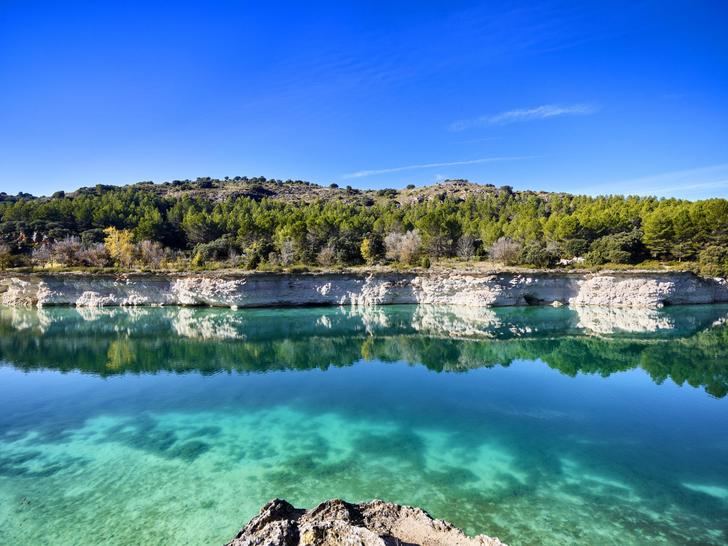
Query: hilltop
{"x": 293, "y": 191}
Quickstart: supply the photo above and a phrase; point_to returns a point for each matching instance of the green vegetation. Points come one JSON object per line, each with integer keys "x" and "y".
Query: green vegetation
{"x": 268, "y": 224}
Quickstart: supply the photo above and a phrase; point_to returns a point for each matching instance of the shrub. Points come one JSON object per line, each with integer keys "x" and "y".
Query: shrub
{"x": 93, "y": 255}
{"x": 713, "y": 261}
{"x": 66, "y": 251}
{"x": 119, "y": 246}
{"x": 41, "y": 255}
{"x": 372, "y": 248}
{"x": 506, "y": 250}
{"x": 619, "y": 248}
{"x": 347, "y": 249}
{"x": 287, "y": 254}
{"x": 327, "y": 255}
{"x": 252, "y": 261}
{"x": 404, "y": 248}
{"x": 392, "y": 243}
{"x": 410, "y": 247}
{"x": 151, "y": 253}
{"x": 214, "y": 251}
{"x": 539, "y": 255}
{"x": 255, "y": 254}
{"x": 466, "y": 247}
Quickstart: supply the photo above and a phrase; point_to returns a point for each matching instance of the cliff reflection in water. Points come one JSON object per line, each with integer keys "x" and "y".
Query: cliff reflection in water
{"x": 686, "y": 344}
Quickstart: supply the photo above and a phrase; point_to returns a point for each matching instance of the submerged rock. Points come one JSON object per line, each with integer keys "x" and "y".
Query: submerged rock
{"x": 336, "y": 522}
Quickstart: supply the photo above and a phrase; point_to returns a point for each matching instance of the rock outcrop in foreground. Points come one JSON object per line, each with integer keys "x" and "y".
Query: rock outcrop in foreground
{"x": 337, "y": 523}
{"x": 611, "y": 289}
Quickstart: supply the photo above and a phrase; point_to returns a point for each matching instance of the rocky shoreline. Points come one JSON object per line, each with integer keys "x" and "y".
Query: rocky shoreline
{"x": 237, "y": 290}
{"x": 335, "y": 522}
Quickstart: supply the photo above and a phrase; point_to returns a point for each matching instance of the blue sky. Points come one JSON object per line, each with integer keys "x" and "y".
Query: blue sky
{"x": 584, "y": 97}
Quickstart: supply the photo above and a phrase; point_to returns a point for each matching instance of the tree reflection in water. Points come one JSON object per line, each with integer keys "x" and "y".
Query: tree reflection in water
{"x": 686, "y": 344}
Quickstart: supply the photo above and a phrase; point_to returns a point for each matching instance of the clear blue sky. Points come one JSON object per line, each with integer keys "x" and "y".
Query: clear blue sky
{"x": 586, "y": 97}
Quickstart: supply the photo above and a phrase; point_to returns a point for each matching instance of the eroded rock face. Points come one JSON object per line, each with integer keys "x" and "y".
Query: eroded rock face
{"x": 648, "y": 290}
{"x": 337, "y": 523}
{"x": 634, "y": 289}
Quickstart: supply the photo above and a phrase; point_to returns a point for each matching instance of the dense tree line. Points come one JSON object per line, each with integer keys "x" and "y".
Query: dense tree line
{"x": 198, "y": 224}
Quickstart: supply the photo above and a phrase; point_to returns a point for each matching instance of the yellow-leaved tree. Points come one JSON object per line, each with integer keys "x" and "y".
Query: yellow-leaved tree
{"x": 119, "y": 245}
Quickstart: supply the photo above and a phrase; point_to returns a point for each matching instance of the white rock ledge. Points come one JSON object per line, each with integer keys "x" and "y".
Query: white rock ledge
{"x": 611, "y": 289}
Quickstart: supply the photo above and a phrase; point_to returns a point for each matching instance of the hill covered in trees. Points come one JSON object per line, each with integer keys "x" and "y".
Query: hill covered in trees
{"x": 259, "y": 223}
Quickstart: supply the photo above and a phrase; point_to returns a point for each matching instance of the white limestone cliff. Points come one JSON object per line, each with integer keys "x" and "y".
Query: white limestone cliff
{"x": 622, "y": 289}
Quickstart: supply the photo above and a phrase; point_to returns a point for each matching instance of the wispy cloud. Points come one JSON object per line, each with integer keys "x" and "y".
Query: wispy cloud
{"x": 686, "y": 189}
{"x": 544, "y": 111}
{"x": 372, "y": 172}
{"x": 681, "y": 182}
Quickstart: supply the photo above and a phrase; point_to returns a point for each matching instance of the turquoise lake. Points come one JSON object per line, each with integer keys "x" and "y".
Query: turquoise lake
{"x": 173, "y": 426}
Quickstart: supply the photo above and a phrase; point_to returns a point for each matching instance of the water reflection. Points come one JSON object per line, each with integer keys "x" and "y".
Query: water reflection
{"x": 686, "y": 345}
{"x": 129, "y": 455}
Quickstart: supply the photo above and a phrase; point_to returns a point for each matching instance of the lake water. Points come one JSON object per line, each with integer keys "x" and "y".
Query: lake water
{"x": 536, "y": 425}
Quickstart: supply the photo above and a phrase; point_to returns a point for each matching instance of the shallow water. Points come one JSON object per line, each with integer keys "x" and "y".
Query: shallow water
{"x": 537, "y": 425}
